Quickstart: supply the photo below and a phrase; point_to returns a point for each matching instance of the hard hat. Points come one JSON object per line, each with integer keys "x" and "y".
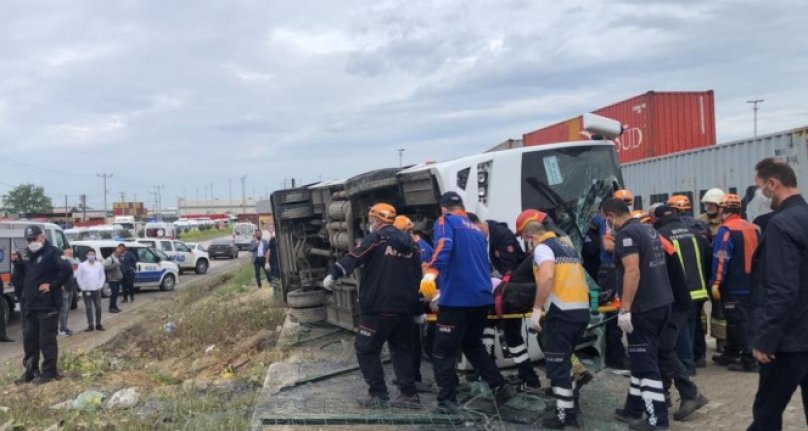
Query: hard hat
{"x": 713, "y": 196}
{"x": 526, "y": 217}
{"x": 624, "y": 195}
{"x": 642, "y": 216}
{"x": 680, "y": 202}
{"x": 403, "y": 223}
{"x": 730, "y": 201}
{"x": 384, "y": 212}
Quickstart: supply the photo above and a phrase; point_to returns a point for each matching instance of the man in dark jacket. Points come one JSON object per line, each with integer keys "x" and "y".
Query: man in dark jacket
{"x": 128, "y": 268}
{"x": 38, "y": 277}
{"x": 779, "y": 306}
{"x": 388, "y": 300}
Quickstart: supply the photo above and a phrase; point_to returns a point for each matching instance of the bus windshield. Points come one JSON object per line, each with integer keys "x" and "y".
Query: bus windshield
{"x": 569, "y": 184}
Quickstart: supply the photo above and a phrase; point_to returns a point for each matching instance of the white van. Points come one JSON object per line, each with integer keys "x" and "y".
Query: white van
{"x": 243, "y": 235}
{"x": 152, "y": 270}
{"x": 160, "y": 230}
{"x": 12, "y": 239}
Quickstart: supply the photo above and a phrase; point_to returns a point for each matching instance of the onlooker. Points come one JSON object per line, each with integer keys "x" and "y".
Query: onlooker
{"x": 90, "y": 277}
{"x": 779, "y": 306}
{"x": 114, "y": 274}
{"x": 260, "y": 255}
{"x": 68, "y": 291}
{"x": 3, "y": 337}
{"x": 274, "y": 271}
{"x": 38, "y": 277}
{"x": 128, "y": 268}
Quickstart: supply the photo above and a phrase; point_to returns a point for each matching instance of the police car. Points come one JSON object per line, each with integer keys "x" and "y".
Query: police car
{"x": 151, "y": 271}
{"x": 184, "y": 256}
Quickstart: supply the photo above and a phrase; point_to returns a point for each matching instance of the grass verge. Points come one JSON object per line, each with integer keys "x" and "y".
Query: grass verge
{"x": 203, "y": 235}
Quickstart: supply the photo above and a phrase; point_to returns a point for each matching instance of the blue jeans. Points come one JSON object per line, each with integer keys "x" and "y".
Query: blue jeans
{"x": 114, "y": 287}
{"x": 258, "y": 265}
{"x": 687, "y": 337}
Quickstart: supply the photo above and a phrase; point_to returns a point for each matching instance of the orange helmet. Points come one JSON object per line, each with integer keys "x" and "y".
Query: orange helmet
{"x": 528, "y": 216}
{"x": 642, "y": 216}
{"x": 624, "y": 195}
{"x": 403, "y": 223}
{"x": 384, "y": 212}
{"x": 730, "y": 201}
{"x": 680, "y": 203}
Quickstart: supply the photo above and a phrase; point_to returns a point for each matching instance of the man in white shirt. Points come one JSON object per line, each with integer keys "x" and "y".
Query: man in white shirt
{"x": 91, "y": 278}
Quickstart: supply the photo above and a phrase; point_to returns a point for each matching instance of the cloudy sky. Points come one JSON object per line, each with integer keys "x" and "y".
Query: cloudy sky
{"x": 187, "y": 94}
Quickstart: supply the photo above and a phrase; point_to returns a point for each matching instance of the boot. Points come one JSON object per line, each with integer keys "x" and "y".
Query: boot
{"x": 688, "y": 407}
{"x": 503, "y": 394}
{"x": 406, "y": 402}
{"x": 645, "y": 426}
{"x": 746, "y": 365}
{"x": 725, "y": 359}
{"x": 372, "y": 402}
{"x": 626, "y": 416}
{"x": 561, "y": 420}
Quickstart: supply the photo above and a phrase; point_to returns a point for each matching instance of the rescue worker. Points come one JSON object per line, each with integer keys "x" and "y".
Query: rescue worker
{"x": 681, "y": 204}
{"x": 404, "y": 224}
{"x": 561, "y": 291}
{"x": 505, "y": 255}
{"x": 388, "y": 301}
{"x": 710, "y": 200}
{"x": 645, "y": 303}
{"x": 718, "y": 325}
{"x": 461, "y": 269}
{"x": 38, "y": 277}
{"x": 779, "y": 333}
{"x": 678, "y": 243}
{"x": 731, "y": 282}
{"x": 607, "y": 280}
{"x": 695, "y": 256}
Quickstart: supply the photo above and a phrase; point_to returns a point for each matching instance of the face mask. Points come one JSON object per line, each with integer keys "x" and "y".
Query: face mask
{"x": 35, "y": 246}
{"x": 610, "y": 224}
{"x": 760, "y": 194}
{"x": 371, "y": 228}
{"x": 91, "y": 257}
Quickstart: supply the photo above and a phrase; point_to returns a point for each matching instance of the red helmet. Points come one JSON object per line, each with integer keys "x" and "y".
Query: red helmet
{"x": 384, "y": 212}
{"x": 730, "y": 201}
{"x": 624, "y": 195}
{"x": 680, "y": 202}
{"x": 526, "y": 217}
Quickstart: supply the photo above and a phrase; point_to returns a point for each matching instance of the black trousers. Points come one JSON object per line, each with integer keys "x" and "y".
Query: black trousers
{"x": 460, "y": 329}
{"x": 737, "y": 341}
{"x": 417, "y": 352}
{"x": 128, "y": 285}
{"x": 258, "y": 266}
{"x": 670, "y": 364}
{"x": 615, "y": 351}
{"x": 39, "y": 338}
{"x": 646, "y": 392}
{"x": 778, "y": 381}
{"x": 517, "y": 347}
{"x": 560, "y": 338}
{"x": 700, "y": 332}
{"x": 397, "y": 330}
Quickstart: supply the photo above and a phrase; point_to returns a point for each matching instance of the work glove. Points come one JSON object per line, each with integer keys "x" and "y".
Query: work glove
{"x": 716, "y": 293}
{"x": 329, "y": 282}
{"x": 624, "y": 322}
{"x": 535, "y": 320}
{"x": 420, "y": 319}
{"x": 428, "y": 286}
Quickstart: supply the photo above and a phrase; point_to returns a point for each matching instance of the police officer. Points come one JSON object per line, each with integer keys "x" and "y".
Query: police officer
{"x": 733, "y": 249}
{"x": 607, "y": 280}
{"x": 388, "y": 301}
{"x": 695, "y": 255}
{"x": 38, "y": 277}
{"x": 563, "y": 292}
{"x": 460, "y": 267}
{"x": 646, "y": 298}
{"x": 670, "y": 365}
{"x": 506, "y": 254}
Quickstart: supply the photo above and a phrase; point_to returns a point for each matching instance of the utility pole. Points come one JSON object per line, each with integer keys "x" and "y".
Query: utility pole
{"x": 243, "y": 193}
{"x": 401, "y": 157}
{"x": 230, "y": 194}
{"x": 159, "y": 195}
{"x": 123, "y": 197}
{"x": 755, "y": 108}
{"x": 66, "y": 220}
{"x": 211, "y": 192}
{"x": 84, "y": 208}
{"x": 105, "y": 176}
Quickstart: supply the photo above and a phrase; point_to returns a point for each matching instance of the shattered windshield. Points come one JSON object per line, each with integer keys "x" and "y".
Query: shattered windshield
{"x": 569, "y": 184}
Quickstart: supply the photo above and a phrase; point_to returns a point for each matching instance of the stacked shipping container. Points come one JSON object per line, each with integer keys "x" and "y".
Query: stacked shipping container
{"x": 655, "y": 124}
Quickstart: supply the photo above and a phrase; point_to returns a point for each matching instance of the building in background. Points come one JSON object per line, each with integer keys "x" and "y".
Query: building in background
{"x": 507, "y": 145}
{"x": 135, "y": 209}
{"x": 216, "y": 206}
{"x": 654, "y": 124}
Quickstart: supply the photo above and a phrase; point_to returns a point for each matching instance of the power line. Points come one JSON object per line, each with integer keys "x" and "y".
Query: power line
{"x": 105, "y": 176}
{"x": 755, "y": 108}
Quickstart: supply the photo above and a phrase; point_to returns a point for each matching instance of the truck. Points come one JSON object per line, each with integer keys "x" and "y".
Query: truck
{"x": 318, "y": 223}
{"x": 12, "y": 239}
{"x": 243, "y": 234}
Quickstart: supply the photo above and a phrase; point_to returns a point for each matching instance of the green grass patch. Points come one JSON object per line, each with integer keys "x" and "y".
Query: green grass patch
{"x": 204, "y": 235}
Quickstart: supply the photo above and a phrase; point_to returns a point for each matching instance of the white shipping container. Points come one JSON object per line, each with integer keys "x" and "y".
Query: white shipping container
{"x": 728, "y": 166}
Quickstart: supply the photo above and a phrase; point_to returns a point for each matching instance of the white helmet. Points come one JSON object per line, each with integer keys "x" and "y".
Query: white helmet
{"x": 713, "y": 196}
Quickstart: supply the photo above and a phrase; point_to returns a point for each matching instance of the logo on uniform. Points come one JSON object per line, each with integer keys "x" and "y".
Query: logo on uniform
{"x": 628, "y": 242}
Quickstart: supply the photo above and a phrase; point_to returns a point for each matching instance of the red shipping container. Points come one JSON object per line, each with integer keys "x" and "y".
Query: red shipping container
{"x": 654, "y": 124}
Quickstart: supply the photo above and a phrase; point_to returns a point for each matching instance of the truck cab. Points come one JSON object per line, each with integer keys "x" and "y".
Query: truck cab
{"x": 184, "y": 256}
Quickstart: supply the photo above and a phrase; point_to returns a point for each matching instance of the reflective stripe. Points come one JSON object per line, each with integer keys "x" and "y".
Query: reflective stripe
{"x": 563, "y": 392}
{"x": 656, "y": 384}
{"x": 701, "y": 293}
{"x": 634, "y": 391}
{"x": 566, "y": 306}
{"x": 635, "y": 381}
{"x": 521, "y": 358}
{"x": 563, "y": 404}
{"x": 653, "y": 396}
